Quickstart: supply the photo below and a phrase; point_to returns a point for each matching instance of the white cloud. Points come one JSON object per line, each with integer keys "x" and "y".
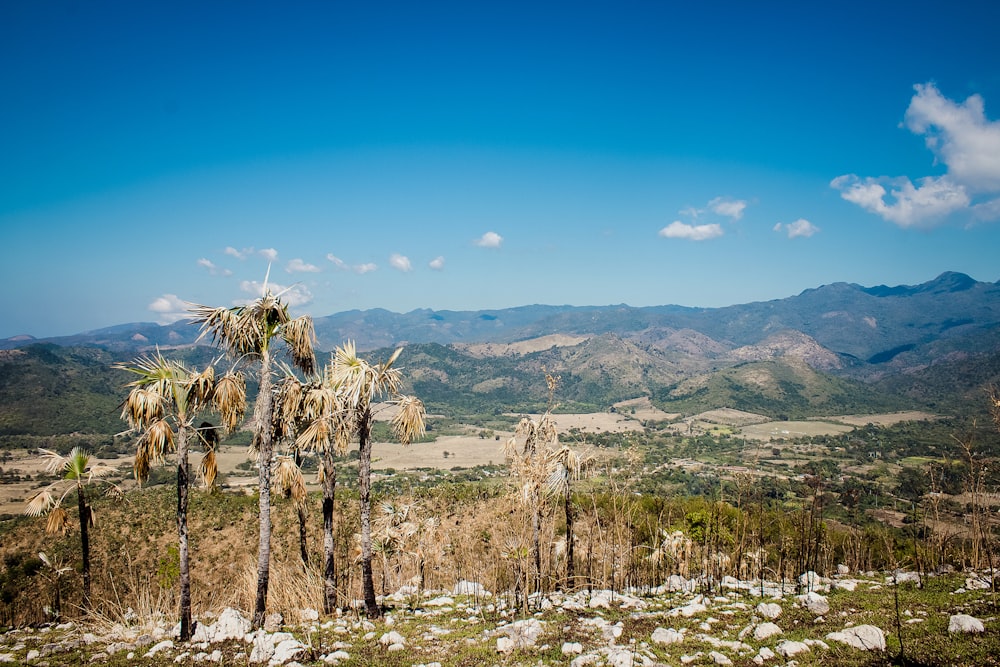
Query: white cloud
{"x": 680, "y": 230}
{"x": 961, "y": 138}
{"x": 907, "y": 205}
{"x": 299, "y": 266}
{"x": 238, "y": 254}
{"x": 437, "y": 263}
{"x": 295, "y": 295}
{"x": 214, "y": 270}
{"x": 959, "y": 135}
{"x": 270, "y": 254}
{"x": 489, "y": 240}
{"x": 731, "y": 208}
{"x": 800, "y": 227}
{"x": 341, "y": 265}
{"x": 169, "y": 308}
{"x": 400, "y": 262}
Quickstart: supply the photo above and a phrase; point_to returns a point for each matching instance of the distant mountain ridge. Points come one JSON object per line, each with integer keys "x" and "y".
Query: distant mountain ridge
{"x": 833, "y": 349}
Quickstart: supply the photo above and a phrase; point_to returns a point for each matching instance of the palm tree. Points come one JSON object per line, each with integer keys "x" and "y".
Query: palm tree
{"x": 77, "y": 469}
{"x": 167, "y": 397}
{"x": 314, "y": 411}
{"x": 248, "y": 333}
{"x": 359, "y": 385}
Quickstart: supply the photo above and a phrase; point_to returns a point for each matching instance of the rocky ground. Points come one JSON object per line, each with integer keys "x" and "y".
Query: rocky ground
{"x": 850, "y": 620}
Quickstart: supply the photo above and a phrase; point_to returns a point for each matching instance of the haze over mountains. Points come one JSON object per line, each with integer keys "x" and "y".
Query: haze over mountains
{"x": 833, "y": 348}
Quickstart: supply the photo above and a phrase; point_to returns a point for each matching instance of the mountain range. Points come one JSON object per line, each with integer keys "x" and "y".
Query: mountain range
{"x": 837, "y": 347}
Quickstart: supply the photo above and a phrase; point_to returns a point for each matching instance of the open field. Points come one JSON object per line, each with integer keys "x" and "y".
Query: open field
{"x": 887, "y": 419}
{"x": 792, "y": 429}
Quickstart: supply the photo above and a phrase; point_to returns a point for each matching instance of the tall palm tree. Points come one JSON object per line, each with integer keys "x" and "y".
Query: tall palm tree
{"x": 314, "y": 412}
{"x": 79, "y": 470}
{"x": 249, "y": 332}
{"x": 167, "y": 397}
{"x": 359, "y": 386}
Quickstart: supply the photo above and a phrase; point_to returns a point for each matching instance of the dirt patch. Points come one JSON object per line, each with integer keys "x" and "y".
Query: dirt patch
{"x": 481, "y": 350}
{"x": 886, "y": 419}
{"x": 730, "y": 417}
{"x": 597, "y": 422}
{"x": 792, "y": 429}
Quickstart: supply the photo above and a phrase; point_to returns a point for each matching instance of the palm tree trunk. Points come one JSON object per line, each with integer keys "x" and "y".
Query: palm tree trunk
{"x": 265, "y": 448}
{"x": 329, "y": 546}
{"x": 300, "y": 506}
{"x": 364, "y": 494}
{"x": 84, "y": 542}
{"x": 570, "y": 567}
{"x": 182, "y": 533}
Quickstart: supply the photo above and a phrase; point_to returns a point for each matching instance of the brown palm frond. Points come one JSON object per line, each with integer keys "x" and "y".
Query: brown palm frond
{"x": 408, "y": 422}
{"x": 299, "y": 335}
{"x": 223, "y": 325}
{"x": 41, "y": 502}
{"x": 200, "y": 387}
{"x": 58, "y": 521}
{"x": 318, "y": 435}
{"x": 288, "y": 479}
{"x": 230, "y": 399}
{"x": 142, "y": 464}
{"x": 209, "y": 469}
{"x": 160, "y": 439}
{"x": 142, "y": 406}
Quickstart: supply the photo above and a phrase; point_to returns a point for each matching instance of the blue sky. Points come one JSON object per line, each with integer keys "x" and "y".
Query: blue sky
{"x": 486, "y": 155}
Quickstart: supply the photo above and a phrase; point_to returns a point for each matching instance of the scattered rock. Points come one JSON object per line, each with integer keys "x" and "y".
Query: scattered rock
{"x": 273, "y": 622}
{"x": 765, "y": 631}
{"x": 789, "y": 648}
{"x": 965, "y": 623}
{"x": 470, "y": 588}
{"x": 769, "y": 610}
{"x": 864, "y": 637}
{"x": 667, "y": 636}
{"x": 572, "y": 648}
{"x": 815, "y": 603}
{"x": 392, "y": 637}
{"x": 719, "y": 658}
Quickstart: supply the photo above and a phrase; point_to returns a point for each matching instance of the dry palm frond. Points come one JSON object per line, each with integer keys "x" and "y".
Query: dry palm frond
{"x": 408, "y": 423}
{"x": 317, "y": 435}
{"x": 41, "y": 502}
{"x": 299, "y": 335}
{"x": 58, "y": 521}
{"x": 230, "y": 399}
{"x": 160, "y": 440}
{"x": 209, "y": 469}
{"x": 200, "y": 387}
{"x": 54, "y": 461}
{"x": 288, "y": 479}
{"x": 142, "y": 406}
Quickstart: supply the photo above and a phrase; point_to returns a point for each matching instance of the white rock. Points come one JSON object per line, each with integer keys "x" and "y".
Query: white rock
{"x": 789, "y": 648}
{"x": 904, "y": 578}
{"x": 971, "y": 584}
{"x": 522, "y": 634}
{"x": 585, "y": 660}
{"x": 843, "y": 570}
{"x": 846, "y": 584}
{"x": 765, "y": 654}
{"x": 470, "y": 588}
{"x": 572, "y": 648}
{"x": 440, "y": 601}
{"x": 285, "y": 651}
{"x": 664, "y": 636}
{"x": 620, "y": 657}
{"x": 308, "y": 615}
{"x": 769, "y": 610}
{"x": 766, "y": 630}
{"x": 393, "y": 648}
{"x": 719, "y": 658}
{"x": 814, "y": 602}
{"x": 864, "y": 637}
{"x": 391, "y": 637}
{"x": 965, "y": 623}
{"x": 337, "y": 656}
{"x": 505, "y": 644}
{"x": 156, "y": 648}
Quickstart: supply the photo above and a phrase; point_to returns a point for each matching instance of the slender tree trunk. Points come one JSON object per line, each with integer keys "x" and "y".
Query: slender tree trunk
{"x": 570, "y": 566}
{"x": 364, "y": 494}
{"x": 265, "y": 446}
{"x": 84, "y": 543}
{"x": 329, "y": 545}
{"x": 300, "y": 507}
{"x": 536, "y": 527}
{"x": 182, "y": 533}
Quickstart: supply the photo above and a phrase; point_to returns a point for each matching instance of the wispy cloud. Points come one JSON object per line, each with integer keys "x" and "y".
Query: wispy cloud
{"x": 961, "y": 138}
{"x": 681, "y": 230}
{"x": 341, "y": 265}
{"x": 731, "y": 208}
{"x": 238, "y": 254}
{"x": 800, "y": 227}
{"x": 169, "y": 308}
{"x": 400, "y": 262}
{"x": 294, "y": 295}
{"x": 214, "y": 270}
{"x": 437, "y": 263}
{"x": 299, "y": 266}
{"x": 270, "y": 254}
{"x": 489, "y": 240}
